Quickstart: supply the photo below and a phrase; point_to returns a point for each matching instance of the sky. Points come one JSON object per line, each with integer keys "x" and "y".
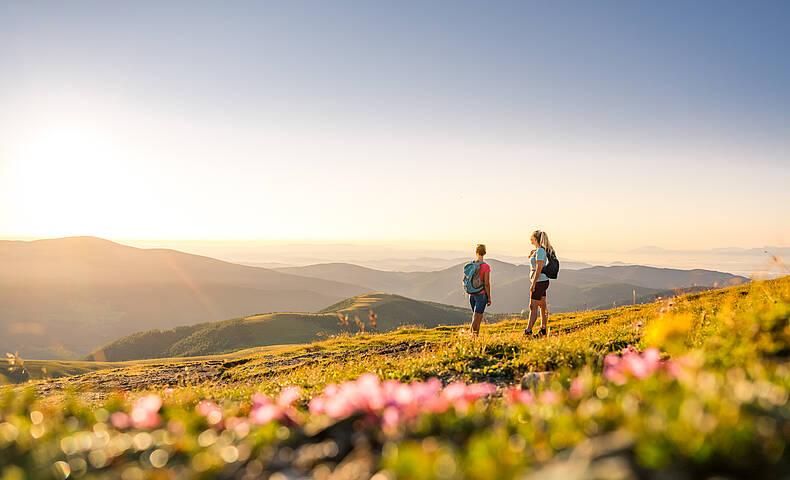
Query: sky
{"x": 610, "y": 125}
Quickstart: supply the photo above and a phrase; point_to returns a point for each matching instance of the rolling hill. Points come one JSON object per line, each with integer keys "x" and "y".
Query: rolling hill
{"x": 62, "y": 298}
{"x": 392, "y": 311}
{"x": 574, "y": 289}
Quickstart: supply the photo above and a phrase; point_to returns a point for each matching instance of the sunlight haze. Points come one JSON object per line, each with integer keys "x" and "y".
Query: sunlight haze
{"x": 438, "y": 125}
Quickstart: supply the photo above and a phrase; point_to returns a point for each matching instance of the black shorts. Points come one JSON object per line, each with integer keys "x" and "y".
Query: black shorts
{"x": 540, "y": 290}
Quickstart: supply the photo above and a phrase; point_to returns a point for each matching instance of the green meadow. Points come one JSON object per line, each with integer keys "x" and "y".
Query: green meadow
{"x": 717, "y": 406}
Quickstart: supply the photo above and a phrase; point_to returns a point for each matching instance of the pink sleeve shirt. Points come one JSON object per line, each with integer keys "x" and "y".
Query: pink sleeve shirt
{"x": 483, "y": 269}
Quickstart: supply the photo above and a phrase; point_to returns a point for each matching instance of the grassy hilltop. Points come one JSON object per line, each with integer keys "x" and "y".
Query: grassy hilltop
{"x": 391, "y": 311}
{"x": 714, "y": 404}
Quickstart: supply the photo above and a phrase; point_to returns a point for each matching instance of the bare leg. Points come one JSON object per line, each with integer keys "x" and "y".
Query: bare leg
{"x": 544, "y": 313}
{"x": 477, "y": 318}
{"x": 533, "y": 313}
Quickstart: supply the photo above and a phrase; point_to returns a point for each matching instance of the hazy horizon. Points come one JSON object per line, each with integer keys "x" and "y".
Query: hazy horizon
{"x": 754, "y": 261}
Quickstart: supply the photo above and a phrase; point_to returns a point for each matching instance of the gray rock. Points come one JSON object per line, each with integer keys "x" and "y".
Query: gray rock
{"x": 532, "y": 380}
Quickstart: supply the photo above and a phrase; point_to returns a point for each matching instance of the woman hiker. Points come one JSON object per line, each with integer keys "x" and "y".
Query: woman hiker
{"x": 540, "y": 282}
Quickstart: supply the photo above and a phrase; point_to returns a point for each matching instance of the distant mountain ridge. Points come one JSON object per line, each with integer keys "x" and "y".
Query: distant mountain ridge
{"x": 573, "y": 290}
{"x": 63, "y": 297}
{"x": 235, "y": 334}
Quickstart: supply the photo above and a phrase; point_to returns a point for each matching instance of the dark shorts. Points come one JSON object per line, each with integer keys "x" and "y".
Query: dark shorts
{"x": 540, "y": 290}
{"x": 478, "y": 302}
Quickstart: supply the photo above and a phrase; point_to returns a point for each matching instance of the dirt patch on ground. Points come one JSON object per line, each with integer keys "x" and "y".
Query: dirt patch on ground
{"x": 138, "y": 378}
{"x": 101, "y": 383}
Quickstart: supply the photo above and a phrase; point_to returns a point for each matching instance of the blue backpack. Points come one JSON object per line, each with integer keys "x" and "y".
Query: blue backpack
{"x": 473, "y": 284}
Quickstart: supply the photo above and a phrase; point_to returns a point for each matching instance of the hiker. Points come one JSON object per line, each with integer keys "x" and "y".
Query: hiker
{"x": 545, "y": 265}
{"x": 477, "y": 284}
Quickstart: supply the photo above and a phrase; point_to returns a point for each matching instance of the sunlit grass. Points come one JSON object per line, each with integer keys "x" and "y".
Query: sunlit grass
{"x": 717, "y": 404}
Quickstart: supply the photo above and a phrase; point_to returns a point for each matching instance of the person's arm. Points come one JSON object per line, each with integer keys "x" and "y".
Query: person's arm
{"x": 538, "y": 269}
{"x": 487, "y": 280}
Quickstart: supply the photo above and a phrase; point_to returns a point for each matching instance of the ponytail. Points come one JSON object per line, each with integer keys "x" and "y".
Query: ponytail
{"x": 543, "y": 241}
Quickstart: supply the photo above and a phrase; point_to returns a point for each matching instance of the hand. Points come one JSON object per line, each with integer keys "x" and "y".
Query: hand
{"x": 489, "y": 302}
{"x": 533, "y": 251}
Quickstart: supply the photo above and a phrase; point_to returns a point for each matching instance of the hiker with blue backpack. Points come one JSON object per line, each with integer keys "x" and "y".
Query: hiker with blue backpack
{"x": 477, "y": 284}
{"x": 545, "y": 266}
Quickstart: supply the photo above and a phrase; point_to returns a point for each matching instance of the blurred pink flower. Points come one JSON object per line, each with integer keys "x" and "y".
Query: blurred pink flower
{"x": 612, "y": 369}
{"x": 265, "y": 413}
{"x": 259, "y": 399}
{"x": 210, "y": 410}
{"x": 150, "y": 403}
{"x": 390, "y": 418}
{"x": 288, "y": 395}
{"x": 316, "y": 405}
{"x": 577, "y": 388}
{"x": 239, "y": 425}
{"x": 549, "y": 397}
{"x": 145, "y": 419}
{"x": 120, "y": 420}
{"x": 264, "y": 410}
{"x": 641, "y": 366}
{"x": 673, "y": 368}
{"x": 145, "y": 411}
{"x": 393, "y": 401}
{"x": 652, "y": 356}
{"x": 515, "y": 395}
{"x": 176, "y": 427}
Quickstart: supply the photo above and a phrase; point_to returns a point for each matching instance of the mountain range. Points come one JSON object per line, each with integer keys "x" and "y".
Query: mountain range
{"x": 62, "y": 298}
{"x": 591, "y": 287}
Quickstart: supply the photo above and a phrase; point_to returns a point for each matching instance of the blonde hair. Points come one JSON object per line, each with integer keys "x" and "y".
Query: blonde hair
{"x": 543, "y": 241}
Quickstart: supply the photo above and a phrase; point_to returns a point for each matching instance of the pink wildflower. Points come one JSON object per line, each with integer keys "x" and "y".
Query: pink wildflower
{"x": 145, "y": 411}
{"x": 149, "y": 403}
{"x": 316, "y": 405}
{"x": 578, "y": 386}
{"x": 673, "y": 368}
{"x": 390, "y": 418}
{"x": 239, "y": 425}
{"x": 265, "y": 413}
{"x": 176, "y": 427}
{"x": 641, "y": 366}
{"x": 634, "y": 364}
{"x": 120, "y": 420}
{"x": 210, "y": 410}
{"x": 515, "y": 395}
{"x": 259, "y": 399}
{"x": 652, "y": 356}
{"x": 549, "y": 397}
{"x": 288, "y": 395}
{"x": 612, "y": 370}
{"x": 264, "y": 410}
{"x": 392, "y": 401}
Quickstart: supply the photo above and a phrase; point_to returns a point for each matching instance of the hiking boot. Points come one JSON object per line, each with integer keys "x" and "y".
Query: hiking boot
{"x": 542, "y": 333}
{"x": 527, "y": 332}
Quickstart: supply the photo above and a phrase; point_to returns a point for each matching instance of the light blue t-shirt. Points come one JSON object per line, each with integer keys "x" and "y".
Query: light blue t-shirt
{"x": 533, "y": 261}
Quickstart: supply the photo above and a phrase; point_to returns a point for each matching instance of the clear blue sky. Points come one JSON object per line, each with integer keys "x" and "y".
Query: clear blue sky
{"x": 445, "y": 123}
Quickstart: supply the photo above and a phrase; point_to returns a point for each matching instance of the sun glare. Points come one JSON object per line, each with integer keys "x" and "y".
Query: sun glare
{"x": 71, "y": 180}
